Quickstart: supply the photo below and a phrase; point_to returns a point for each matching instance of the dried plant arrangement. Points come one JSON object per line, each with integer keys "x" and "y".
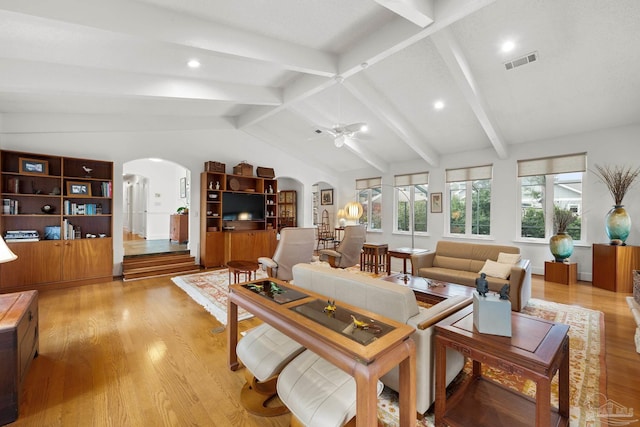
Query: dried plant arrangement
{"x": 618, "y": 180}
{"x": 562, "y": 219}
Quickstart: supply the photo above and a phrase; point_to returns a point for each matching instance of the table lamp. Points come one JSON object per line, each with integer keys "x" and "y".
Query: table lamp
{"x": 354, "y": 211}
{"x": 342, "y": 217}
{"x": 6, "y": 254}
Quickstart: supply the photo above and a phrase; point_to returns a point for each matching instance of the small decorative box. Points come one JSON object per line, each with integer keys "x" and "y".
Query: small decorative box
{"x": 265, "y": 172}
{"x": 211, "y": 166}
{"x": 244, "y": 169}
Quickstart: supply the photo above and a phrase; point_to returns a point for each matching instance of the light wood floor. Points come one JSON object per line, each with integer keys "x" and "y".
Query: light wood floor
{"x": 143, "y": 354}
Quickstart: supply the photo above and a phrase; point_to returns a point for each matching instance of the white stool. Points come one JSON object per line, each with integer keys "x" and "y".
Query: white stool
{"x": 318, "y": 393}
{"x": 264, "y": 351}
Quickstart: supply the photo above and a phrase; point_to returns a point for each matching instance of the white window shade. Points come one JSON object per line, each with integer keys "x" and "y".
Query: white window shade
{"x": 469, "y": 174}
{"x": 553, "y": 165}
{"x": 363, "y": 184}
{"x": 411, "y": 179}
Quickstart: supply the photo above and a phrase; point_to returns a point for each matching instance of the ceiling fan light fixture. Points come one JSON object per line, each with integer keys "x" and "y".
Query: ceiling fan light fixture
{"x": 340, "y": 140}
{"x": 364, "y": 127}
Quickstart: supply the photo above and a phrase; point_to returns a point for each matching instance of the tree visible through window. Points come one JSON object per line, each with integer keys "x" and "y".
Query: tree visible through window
{"x": 469, "y": 191}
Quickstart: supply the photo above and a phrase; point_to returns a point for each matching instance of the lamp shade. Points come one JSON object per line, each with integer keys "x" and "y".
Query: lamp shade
{"x": 354, "y": 210}
{"x": 6, "y": 254}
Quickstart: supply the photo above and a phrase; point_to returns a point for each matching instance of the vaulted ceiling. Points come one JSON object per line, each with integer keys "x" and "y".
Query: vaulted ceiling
{"x": 269, "y": 68}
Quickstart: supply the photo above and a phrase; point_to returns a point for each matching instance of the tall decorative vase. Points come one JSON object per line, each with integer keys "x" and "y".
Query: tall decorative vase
{"x": 618, "y": 225}
{"x": 561, "y": 246}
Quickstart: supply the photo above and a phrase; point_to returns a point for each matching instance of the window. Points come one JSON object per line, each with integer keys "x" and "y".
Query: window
{"x": 546, "y": 183}
{"x": 469, "y": 197}
{"x": 411, "y": 196}
{"x": 369, "y": 195}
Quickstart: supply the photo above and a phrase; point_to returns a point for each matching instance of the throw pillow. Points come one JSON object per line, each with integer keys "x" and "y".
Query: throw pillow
{"x": 496, "y": 269}
{"x": 505, "y": 258}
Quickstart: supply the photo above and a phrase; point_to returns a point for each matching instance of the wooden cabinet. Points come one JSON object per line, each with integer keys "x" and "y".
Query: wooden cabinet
{"x": 179, "y": 228}
{"x": 287, "y": 208}
{"x": 55, "y": 199}
{"x": 18, "y": 346}
{"x": 613, "y": 267}
{"x": 239, "y": 212}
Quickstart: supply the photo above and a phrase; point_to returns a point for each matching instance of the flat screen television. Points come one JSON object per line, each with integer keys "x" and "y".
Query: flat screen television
{"x": 242, "y": 207}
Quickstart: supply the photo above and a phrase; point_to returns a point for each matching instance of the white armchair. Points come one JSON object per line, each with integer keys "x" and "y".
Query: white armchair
{"x": 295, "y": 246}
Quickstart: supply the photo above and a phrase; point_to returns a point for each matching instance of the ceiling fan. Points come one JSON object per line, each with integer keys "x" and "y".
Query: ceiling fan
{"x": 341, "y": 132}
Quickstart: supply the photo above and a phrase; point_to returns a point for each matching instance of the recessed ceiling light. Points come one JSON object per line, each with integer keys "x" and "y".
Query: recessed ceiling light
{"x": 508, "y": 46}
{"x": 194, "y": 63}
{"x": 438, "y": 105}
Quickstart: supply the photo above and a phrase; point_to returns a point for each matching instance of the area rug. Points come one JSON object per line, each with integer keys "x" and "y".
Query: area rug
{"x": 587, "y": 371}
{"x": 210, "y": 290}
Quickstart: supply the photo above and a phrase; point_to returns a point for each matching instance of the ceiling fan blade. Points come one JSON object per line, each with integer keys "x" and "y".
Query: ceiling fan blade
{"x": 328, "y": 131}
{"x": 355, "y": 127}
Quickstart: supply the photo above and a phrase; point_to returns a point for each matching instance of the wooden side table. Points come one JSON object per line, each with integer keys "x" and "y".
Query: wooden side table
{"x": 536, "y": 350}
{"x": 374, "y": 257}
{"x": 404, "y": 254}
{"x": 560, "y": 272}
{"x": 240, "y": 267}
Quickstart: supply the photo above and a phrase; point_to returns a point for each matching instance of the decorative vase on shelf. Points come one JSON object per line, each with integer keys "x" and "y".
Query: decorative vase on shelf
{"x": 617, "y": 225}
{"x": 561, "y": 246}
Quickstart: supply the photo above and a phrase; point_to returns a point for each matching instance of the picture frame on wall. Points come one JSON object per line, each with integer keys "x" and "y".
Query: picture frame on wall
{"x": 326, "y": 197}
{"x": 183, "y": 187}
{"x": 436, "y": 202}
{"x": 33, "y": 166}
{"x": 78, "y": 189}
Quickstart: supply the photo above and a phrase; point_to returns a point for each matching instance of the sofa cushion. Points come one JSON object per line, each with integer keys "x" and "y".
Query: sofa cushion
{"x": 496, "y": 269}
{"x": 506, "y": 258}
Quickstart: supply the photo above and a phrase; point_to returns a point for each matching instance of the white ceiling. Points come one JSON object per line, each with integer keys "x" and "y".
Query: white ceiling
{"x": 269, "y": 68}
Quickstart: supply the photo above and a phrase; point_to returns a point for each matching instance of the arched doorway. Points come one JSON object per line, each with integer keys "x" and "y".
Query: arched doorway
{"x": 153, "y": 191}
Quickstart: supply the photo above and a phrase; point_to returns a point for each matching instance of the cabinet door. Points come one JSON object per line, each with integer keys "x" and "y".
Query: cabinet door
{"x": 251, "y": 245}
{"x": 212, "y": 251}
{"x": 38, "y": 262}
{"x": 87, "y": 258}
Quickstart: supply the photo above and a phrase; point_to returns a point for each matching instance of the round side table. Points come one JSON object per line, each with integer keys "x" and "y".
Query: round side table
{"x": 242, "y": 267}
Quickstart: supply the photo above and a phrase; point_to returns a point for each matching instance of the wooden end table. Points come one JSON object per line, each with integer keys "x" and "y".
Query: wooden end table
{"x": 536, "y": 350}
{"x": 374, "y": 257}
{"x": 240, "y": 267}
{"x": 404, "y": 254}
{"x": 560, "y": 272}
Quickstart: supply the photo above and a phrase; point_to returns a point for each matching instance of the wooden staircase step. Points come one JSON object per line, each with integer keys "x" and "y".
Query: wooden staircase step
{"x": 160, "y": 259}
{"x": 153, "y": 265}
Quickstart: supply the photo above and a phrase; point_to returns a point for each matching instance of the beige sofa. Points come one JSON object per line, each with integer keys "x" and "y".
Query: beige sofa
{"x": 459, "y": 262}
{"x": 398, "y": 303}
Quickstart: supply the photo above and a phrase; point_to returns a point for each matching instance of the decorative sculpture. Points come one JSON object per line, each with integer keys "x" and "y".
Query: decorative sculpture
{"x": 504, "y": 291}
{"x": 482, "y": 285}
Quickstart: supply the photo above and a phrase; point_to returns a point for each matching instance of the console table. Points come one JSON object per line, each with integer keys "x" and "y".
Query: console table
{"x": 537, "y": 350}
{"x": 365, "y": 360}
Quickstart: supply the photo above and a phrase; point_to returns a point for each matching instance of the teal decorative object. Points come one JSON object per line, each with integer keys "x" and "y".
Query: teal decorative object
{"x": 617, "y": 225}
{"x": 561, "y": 246}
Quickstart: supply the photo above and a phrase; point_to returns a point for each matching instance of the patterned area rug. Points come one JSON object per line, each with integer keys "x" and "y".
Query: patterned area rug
{"x": 210, "y": 290}
{"x": 587, "y": 372}
{"x": 587, "y": 369}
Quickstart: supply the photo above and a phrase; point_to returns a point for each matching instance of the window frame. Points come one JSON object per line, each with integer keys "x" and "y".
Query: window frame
{"x": 468, "y": 176}
{"x": 412, "y": 206}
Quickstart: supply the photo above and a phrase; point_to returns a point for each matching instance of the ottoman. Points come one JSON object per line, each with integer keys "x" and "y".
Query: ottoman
{"x": 318, "y": 393}
{"x": 264, "y": 351}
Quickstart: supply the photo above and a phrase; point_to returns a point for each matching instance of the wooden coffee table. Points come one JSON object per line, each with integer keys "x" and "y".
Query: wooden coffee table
{"x": 240, "y": 267}
{"x": 428, "y": 290}
{"x": 536, "y": 350}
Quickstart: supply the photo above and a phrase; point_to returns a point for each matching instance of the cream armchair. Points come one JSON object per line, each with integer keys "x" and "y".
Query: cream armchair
{"x": 295, "y": 246}
{"x": 347, "y": 253}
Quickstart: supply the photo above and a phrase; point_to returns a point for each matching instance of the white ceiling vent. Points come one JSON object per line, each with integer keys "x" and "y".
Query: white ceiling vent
{"x": 523, "y": 60}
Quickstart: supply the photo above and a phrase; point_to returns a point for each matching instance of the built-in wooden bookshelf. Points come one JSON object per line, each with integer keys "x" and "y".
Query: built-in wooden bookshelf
{"x": 57, "y": 217}
{"x": 239, "y": 217}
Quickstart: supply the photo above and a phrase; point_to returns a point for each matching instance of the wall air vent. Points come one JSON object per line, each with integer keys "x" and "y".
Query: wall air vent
{"x": 523, "y": 60}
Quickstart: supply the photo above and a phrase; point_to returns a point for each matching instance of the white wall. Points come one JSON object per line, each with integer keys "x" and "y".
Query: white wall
{"x": 188, "y": 148}
{"x": 619, "y": 146}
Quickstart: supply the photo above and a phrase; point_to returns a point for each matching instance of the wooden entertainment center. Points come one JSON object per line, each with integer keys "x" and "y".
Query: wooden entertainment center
{"x": 239, "y": 217}
{"x": 57, "y": 218}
